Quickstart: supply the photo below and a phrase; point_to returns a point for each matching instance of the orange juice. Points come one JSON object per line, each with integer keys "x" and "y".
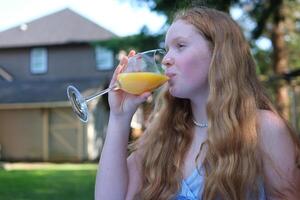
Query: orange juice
{"x": 139, "y": 82}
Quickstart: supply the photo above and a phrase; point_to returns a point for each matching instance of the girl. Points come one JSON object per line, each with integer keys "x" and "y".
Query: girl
{"x": 214, "y": 134}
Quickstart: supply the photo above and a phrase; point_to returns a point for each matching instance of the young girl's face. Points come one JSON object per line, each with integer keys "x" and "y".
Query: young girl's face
{"x": 187, "y": 60}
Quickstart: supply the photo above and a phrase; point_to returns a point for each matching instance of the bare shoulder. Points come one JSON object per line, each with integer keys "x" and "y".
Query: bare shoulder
{"x": 273, "y": 131}
{"x": 270, "y": 122}
{"x": 278, "y": 152}
{"x": 274, "y": 137}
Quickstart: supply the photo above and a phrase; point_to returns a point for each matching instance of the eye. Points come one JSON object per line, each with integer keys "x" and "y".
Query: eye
{"x": 180, "y": 45}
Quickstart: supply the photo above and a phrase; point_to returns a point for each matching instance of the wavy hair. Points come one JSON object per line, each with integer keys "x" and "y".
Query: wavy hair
{"x": 233, "y": 168}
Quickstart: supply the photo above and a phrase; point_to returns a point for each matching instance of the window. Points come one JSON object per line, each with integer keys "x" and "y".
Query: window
{"x": 38, "y": 60}
{"x": 104, "y": 58}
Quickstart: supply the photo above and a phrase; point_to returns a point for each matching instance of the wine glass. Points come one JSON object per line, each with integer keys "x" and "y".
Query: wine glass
{"x": 144, "y": 72}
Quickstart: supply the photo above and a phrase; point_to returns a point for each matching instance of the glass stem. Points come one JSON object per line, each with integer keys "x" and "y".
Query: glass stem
{"x": 100, "y": 93}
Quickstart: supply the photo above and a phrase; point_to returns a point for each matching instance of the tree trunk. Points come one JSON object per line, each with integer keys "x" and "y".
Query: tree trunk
{"x": 280, "y": 64}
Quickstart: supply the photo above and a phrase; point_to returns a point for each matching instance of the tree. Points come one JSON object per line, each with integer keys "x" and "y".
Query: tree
{"x": 277, "y": 19}
{"x": 169, "y": 7}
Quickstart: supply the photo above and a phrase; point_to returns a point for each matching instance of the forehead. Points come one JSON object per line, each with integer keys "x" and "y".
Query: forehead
{"x": 181, "y": 29}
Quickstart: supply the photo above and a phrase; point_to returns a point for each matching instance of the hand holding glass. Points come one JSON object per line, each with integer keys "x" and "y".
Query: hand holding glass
{"x": 144, "y": 72}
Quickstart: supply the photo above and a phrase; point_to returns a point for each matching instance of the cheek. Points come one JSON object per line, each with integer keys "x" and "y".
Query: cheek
{"x": 196, "y": 69}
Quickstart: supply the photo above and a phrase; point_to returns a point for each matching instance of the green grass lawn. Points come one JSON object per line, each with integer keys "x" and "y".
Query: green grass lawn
{"x": 53, "y": 182}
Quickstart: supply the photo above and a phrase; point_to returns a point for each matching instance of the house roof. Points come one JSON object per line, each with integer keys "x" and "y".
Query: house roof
{"x": 62, "y": 27}
{"x": 45, "y": 91}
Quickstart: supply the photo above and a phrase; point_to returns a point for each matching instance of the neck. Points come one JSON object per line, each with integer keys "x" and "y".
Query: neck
{"x": 198, "y": 104}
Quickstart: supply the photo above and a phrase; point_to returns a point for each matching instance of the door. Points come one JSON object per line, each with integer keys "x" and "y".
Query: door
{"x": 65, "y": 136}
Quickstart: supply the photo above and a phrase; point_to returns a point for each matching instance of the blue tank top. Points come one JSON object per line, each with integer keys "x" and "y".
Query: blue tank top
{"x": 192, "y": 187}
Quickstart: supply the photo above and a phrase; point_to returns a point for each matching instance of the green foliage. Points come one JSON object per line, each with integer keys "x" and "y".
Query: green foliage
{"x": 292, "y": 8}
{"x": 170, "y": 7}
{"x": 263, "y": 61}
{"x": 293, "y": 51}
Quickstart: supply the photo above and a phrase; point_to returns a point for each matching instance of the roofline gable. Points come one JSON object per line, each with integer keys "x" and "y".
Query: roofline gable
{"x": 61, "y": 27}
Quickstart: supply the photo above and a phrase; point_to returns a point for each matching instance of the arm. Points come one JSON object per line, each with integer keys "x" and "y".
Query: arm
{"x": 112, "y": 177}
{"x": 280, "y": 170}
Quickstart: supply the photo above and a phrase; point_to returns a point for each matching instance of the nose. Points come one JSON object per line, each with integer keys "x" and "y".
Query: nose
{"x": 168, "y": 61}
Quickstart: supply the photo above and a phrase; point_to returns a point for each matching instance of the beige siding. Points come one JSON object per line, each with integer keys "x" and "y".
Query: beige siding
{"x": 21, "y": 134}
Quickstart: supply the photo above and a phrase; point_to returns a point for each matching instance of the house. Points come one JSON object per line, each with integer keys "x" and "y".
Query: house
{"x": 38, "y": 60}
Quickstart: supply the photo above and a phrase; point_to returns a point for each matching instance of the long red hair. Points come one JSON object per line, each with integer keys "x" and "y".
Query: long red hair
{"x": 233, "y": 168}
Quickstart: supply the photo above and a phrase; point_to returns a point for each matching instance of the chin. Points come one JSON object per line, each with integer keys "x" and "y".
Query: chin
{"x": 177, "y": 93}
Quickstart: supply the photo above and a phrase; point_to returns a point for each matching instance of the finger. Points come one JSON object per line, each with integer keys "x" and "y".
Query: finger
{"x": 131, "y": 53}
{"x": 142, "y": 98}
{"x": 118, "y": 70}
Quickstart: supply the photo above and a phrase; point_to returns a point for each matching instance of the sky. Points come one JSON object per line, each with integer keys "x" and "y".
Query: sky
{"x": 121, "y": 17}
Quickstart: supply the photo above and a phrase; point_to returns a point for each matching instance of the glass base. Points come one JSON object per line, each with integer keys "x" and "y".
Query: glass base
{"x": 78, "y": 103}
